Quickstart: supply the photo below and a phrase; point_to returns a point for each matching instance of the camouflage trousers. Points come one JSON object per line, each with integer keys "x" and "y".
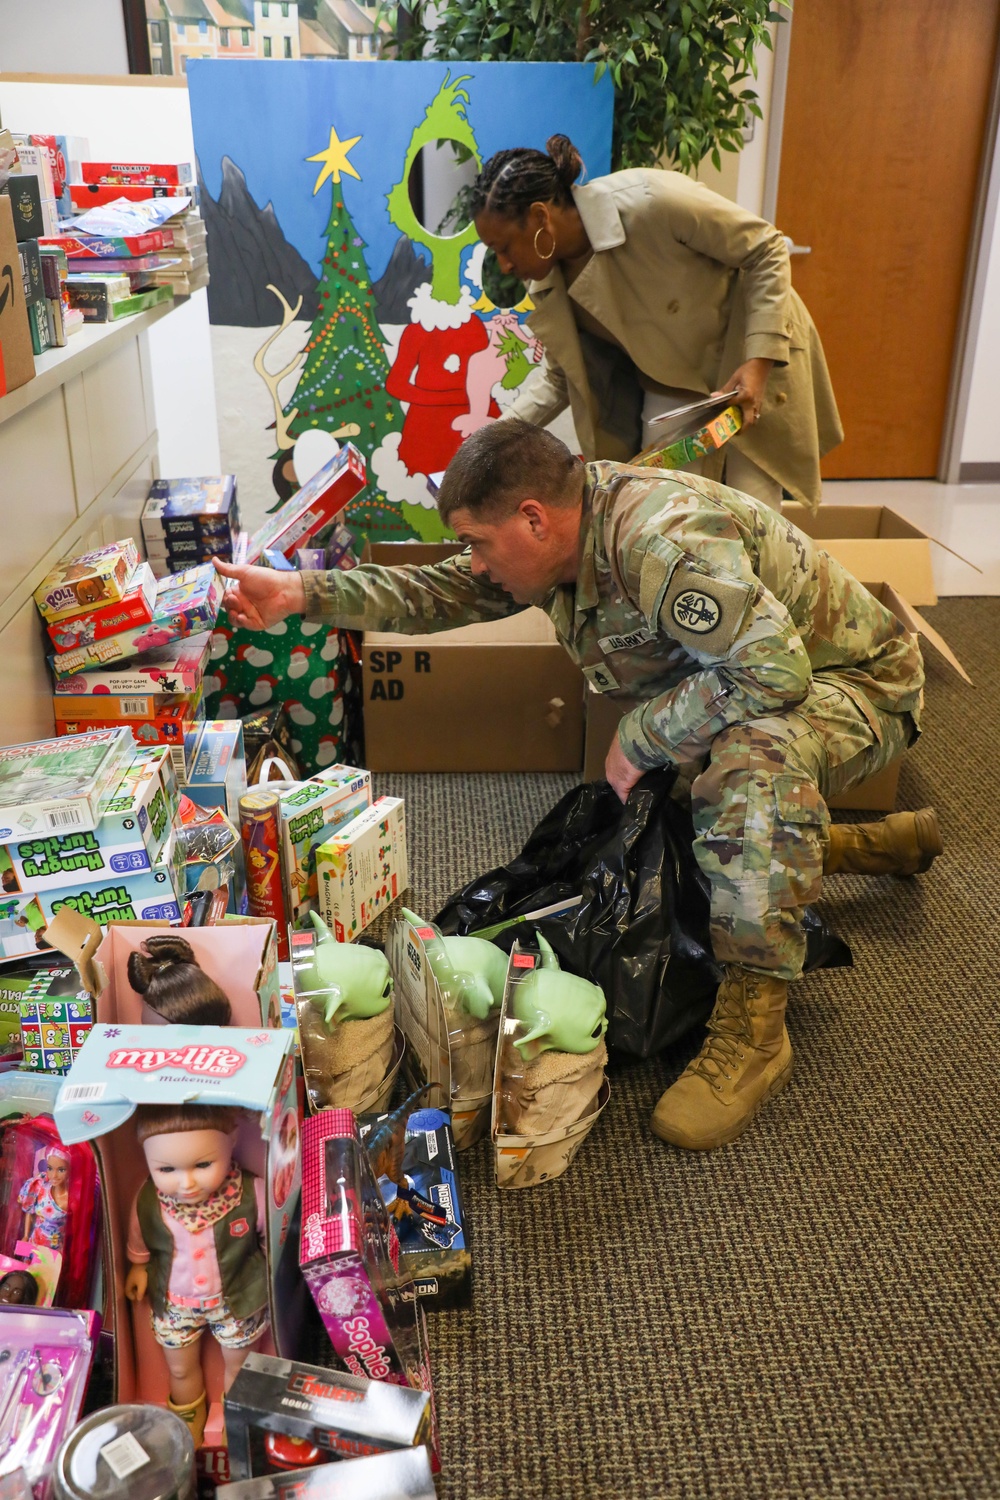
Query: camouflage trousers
{"x": 761, "y": 821}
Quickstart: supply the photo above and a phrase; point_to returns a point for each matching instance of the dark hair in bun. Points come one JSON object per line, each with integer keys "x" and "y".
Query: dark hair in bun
{"x": 166, "y": 973}
{"x": 511, "y": 181}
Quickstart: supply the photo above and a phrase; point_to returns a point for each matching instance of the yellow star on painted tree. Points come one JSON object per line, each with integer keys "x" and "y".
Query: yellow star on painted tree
{"x": 334, "y": 160}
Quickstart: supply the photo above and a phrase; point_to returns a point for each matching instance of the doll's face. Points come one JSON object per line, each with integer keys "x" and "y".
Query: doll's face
{"x": 189, "y": 1165}
{"x": 58, "y": 1172}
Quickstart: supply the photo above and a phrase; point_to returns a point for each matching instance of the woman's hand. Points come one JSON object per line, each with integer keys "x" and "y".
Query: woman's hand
{"x": 749, "y": 382}
{"x": 135, "y": 1283}
{"x": 260, "y": 597}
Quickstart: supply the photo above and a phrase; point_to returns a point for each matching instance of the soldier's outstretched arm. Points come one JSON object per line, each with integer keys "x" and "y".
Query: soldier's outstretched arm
{"x": 412, "y": 600}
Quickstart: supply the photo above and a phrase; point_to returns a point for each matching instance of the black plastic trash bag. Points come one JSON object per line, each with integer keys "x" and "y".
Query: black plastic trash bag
{"x": 641, "y": 930}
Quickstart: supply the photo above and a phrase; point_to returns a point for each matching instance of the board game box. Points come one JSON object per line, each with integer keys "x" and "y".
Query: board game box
{"x": 313, "y": 506}
{"x": 175, "y": 668}
{"x": 58, "y": 785}
{"x": 135, "y": 607}
{"x": 186, "y": 604}
{"x": 79, "y": 583}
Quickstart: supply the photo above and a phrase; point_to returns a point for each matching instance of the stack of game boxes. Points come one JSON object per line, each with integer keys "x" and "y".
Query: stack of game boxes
{"x": 189, "y": 521}
{"x": 127, "y": 649}
{"x": 105, "y": 182}
{"x": 89, "y": 823}
{"x": 112, "y": 277}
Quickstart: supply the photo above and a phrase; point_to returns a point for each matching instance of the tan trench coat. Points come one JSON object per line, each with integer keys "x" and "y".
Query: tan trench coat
{"x": 691, "y": 285}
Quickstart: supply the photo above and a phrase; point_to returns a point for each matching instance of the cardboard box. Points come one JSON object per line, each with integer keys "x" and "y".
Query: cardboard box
{"x": 122, "y": 1066}
{"x": 310, "y": 814}
{"x": 877, "y": 793}
{"x": 17, "y": 360}
{"x": 363, "y": 869}
{"x": 343, "y": 1416}
{"x": 502, "y": 696}
{"x": 404, "y": 1474}
{"x": 434, "y": 1257}
{"x": 872, "y": 541}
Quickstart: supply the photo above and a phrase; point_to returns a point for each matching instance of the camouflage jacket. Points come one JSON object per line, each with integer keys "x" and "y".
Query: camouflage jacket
{"x": 694, "y": 604}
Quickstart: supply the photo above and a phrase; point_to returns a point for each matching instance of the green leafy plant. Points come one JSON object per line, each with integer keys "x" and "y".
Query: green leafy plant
{"x": 683, "y": 70}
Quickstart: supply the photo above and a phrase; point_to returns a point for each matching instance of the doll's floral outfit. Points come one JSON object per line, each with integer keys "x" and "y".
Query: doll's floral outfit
{"x": 48, "y": 1219}
{"x": 205, "y": 1265}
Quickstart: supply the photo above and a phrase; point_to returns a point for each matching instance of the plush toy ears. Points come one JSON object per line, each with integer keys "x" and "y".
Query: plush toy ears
{"x": 549, "y": 960}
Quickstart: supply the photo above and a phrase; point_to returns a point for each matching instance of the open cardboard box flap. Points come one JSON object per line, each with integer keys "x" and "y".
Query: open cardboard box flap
{"x": 915, "y": 621}
{"x": 872, "y": 541}
{"x": 529, "y": 627}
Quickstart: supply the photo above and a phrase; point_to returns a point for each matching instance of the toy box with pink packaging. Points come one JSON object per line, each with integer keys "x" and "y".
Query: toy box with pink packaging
{"x": 242, "y": 1082}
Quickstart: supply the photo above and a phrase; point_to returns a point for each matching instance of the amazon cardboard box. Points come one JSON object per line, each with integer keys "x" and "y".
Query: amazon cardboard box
{"x": 17, "y": 361}
{"x": 877, "y": 794}
{"x": 502, "y": 696}
{"x": 872, "y": 541}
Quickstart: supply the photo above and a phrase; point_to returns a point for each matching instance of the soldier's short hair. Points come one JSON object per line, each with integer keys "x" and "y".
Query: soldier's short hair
{"x": 507, "y": 462}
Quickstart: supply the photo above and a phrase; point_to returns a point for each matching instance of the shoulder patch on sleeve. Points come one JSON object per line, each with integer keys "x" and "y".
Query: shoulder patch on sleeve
{"x": 702, "y": 612}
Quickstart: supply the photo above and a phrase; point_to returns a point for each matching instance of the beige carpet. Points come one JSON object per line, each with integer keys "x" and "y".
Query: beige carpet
{"x": 813, "y": 1311}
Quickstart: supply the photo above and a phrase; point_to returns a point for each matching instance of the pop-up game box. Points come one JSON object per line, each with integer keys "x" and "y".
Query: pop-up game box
{"x": 252, "y": 1070}
{"x": 350, "y": 1256}
{"x": 339, "y": 1415}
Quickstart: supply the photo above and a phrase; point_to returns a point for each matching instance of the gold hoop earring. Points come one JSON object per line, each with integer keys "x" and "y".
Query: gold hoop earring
{"x": 541, "y": 255}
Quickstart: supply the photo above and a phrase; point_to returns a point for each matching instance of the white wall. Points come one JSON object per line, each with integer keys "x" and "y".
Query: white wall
{"x": 62, "y": 36}
{"x": 981, "y": 437}
{"x": 146, "y": 121}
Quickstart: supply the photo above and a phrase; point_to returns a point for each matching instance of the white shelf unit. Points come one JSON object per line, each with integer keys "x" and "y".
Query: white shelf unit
{"x": 78, "y": 451}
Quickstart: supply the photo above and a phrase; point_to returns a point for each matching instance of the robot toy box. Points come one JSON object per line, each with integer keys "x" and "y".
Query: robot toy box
{"x": 404, "y": 1474}
{"x": 127, "y": 1074}
{"x": 349, "y": 1256}
{"x": 81, "y": 583}
{"x": 56, "y": 785}
{"x": 363, "y": 869}
{"x": 332, "y": 1415}
{"x": 175, "y": 668}
{"x": 313, "y": 506}
{"x": 311, "y": 813}
{"x": 135, "y": 607}
{"x": 186, "y": 604}
{"x": 421, "y": 1191}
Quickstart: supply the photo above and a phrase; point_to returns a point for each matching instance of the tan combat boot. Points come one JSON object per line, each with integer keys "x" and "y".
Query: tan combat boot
{"x": 746, "y": 1058}
{"x": 195, "y": 1414}
{"x": 901, "y": 844}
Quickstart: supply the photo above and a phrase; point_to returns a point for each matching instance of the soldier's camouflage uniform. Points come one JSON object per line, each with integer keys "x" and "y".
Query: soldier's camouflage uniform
{"x": 743, "y": 653}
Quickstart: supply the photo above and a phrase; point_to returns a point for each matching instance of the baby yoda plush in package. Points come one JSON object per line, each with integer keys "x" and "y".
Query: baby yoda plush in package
{"x": 351, "y": 1049}
{"x": 450, "y": 990}
{"x": 549, "y": 1085}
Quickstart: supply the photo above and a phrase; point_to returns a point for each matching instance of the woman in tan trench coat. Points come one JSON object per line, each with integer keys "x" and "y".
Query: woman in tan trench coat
{"x": 650, "y": 290}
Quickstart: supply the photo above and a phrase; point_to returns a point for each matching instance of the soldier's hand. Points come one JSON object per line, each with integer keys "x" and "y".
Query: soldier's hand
{"x": 619, "y": 770}
{"x": 260, "y": 597}
{"x": 749, "y": 382}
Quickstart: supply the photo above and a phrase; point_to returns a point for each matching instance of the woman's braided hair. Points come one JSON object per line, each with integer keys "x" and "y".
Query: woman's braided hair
{"x": 511, "y": 181}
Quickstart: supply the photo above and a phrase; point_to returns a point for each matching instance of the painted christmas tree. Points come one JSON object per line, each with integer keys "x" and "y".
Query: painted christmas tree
{"x": 342, "y": 386}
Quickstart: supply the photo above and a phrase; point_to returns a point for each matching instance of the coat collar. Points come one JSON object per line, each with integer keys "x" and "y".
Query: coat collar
{"x": 595, "y": 203}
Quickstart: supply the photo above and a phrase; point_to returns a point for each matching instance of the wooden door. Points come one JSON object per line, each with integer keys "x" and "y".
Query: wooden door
{"x": 885, "y": 118}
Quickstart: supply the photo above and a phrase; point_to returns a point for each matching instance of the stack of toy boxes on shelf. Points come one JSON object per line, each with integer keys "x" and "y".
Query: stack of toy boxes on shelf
{"x": 189, "y": 521}
{"x": 108, "y": 182}
{"x": 28, "y": 181}
{"x": 126, "y": 648}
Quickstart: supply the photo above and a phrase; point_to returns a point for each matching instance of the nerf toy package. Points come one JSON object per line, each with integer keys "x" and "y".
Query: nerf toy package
{"x": 192, "y": 1067}
{"x": 363, "y": 868}
{"x": 186, "y": 604}
{"x": 426, "y": 1206}
{"x": 333, "y": 1414}
{"x": 93, "y": 578}
{"x": 51, "y": 786}
{"x": 176, "y": 668}
{"x": 311, "y": 813}
{"x": 404, "y": 1474}
{"x": 349, "y": 1254}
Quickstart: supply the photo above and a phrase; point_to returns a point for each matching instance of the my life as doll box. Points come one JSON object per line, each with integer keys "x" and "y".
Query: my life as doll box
{"x": 363, "y": 868}
{"x": 344, "y": 1416}
{"x": 253, "y": 1070}
{"x": 402, "y": 1475}
{"x": 311, "y": 813}
{"x": 435, "y": 1257}
{"x": 350, "y": 1259}
{"x": 130, "y": 836}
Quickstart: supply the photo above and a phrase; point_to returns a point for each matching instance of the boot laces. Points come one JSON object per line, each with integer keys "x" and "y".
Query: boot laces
{"x": 728, "y": 1032}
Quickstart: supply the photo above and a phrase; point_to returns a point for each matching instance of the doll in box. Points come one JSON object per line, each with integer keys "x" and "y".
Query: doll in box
{"x": 49, "y": 1209}
{"x": 45, "y": 1201}
{"x": 194, "y": 1247}
{"x": 165, "y": 972}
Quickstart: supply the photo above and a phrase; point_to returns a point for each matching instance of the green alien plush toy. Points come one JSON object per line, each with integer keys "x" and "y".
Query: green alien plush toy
{"x": 470, "y": 971}
{"x": 345, "y": 1010}
{"x": 556, "y": 1066}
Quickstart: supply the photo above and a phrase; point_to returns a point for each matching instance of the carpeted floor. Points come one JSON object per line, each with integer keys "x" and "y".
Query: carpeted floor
{"x": 812, "y": 1311}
